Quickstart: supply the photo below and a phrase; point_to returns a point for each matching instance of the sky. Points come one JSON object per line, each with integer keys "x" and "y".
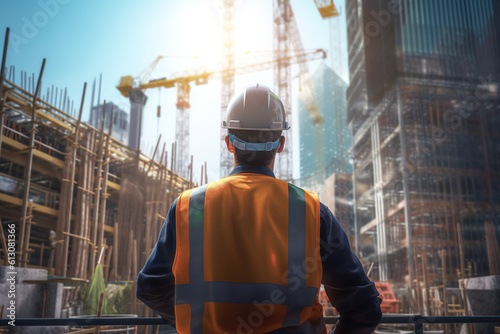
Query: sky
{"x": 83, "y": 39}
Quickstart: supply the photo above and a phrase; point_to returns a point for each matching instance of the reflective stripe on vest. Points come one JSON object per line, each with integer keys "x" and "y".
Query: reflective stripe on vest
{"x": 198, "y": 291}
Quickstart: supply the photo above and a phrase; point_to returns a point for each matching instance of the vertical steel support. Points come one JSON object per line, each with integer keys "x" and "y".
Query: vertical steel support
{"x": 355, "y": 207}
{"x": 104, "y": 195}
{"x": 74, "y": 150}
{"x": 172, "y": 166}
{"x": 408, "y": 227}
{"x": 97, "y": 192}
{"x": 29, "y": 218}
{"x": 283, "y": 80}
{"x": 379, "y": 202}
{"x": 2, "y": 120}
{"x": 227, "y": 83}
{"x": 29, "y": 165}
{"x": 2, "y": 99}
{"x": 4, "y": 59}
{"x": 92, "y": 116}
{"x": 419, "y": 328}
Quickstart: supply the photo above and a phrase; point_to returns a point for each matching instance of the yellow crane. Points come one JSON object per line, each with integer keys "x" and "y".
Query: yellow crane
{"x": 201, "y": 75}
{"x": 134, "y": 87}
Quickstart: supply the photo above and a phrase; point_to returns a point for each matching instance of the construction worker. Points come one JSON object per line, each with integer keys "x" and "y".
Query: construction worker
{"x": 248, "y": 253}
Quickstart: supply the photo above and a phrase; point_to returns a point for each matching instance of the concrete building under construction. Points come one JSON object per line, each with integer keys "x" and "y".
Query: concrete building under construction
{"x": 423, "y": 106}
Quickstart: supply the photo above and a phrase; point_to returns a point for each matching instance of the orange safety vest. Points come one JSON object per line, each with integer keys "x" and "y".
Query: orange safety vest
{"x": 248, "y": 257}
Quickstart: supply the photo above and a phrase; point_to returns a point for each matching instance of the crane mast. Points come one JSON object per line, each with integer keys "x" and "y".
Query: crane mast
{"x": 282, "y": 81}
{"x": 286, "y": 37}
{"x": 227, "y": 82}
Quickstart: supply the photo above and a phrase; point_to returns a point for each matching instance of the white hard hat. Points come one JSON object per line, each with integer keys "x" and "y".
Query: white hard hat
{"x": 256, "y": 108}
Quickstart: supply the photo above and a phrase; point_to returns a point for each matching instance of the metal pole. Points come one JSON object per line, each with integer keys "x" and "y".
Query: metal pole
{"x": 104, "y": 195}
{"x": 172, "y": 166}
{"x": 154, "y": 154}
{"x": 74, "y": 150}
{"x": 92, "y": 116}
{"x": 4, "y": 59}
{"x": 409, "y": 234}
{"x": 2, "y": 99}
{"x": 419, "y": 328}
{"x": 355, "y": 208}
{"x": 27, "y": 175}
{"x": 201, "y": 177}
{"x": 445, "y": 298}
{"x": 191, "y": 173}
{"x": 206, "y": 173}
{"x": 25, "y": 258}
{"x": 97, "y": 191}
{"x": 99, "y": 93}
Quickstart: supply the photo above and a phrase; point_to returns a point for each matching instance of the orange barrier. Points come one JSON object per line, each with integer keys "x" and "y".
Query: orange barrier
{"x": 389, "y": 301}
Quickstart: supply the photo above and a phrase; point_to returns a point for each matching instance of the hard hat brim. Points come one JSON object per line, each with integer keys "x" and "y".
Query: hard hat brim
{"x": 255, "y": 129}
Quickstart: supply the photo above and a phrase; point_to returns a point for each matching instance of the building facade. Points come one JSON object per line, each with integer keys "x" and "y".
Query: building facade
{"x": 423, "y": 105}
{"x": 121, "y": 126}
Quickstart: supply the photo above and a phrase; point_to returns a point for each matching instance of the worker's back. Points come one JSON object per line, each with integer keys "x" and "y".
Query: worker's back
{"x": 247, "y": 257}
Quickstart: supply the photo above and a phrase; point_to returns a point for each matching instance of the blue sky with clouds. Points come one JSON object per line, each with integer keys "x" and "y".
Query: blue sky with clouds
{"x": 82, "y": 39}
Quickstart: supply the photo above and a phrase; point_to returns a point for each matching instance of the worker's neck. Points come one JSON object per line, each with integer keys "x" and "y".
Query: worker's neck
{"x": 270, "y": 166}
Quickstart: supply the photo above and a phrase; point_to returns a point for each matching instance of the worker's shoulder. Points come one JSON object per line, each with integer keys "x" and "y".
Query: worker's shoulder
{"x": 184, "y": 196}
{"x": 308, "y": 193}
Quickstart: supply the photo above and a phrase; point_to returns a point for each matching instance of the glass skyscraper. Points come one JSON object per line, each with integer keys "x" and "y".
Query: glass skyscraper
{"x": 329, "y": 92}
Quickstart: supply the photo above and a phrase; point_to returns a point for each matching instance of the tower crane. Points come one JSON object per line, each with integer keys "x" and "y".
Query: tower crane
{"x": 134, "y": 89}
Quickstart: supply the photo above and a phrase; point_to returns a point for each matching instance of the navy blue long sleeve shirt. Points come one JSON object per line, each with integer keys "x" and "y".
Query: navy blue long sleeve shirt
{"x": 346, "y": 284}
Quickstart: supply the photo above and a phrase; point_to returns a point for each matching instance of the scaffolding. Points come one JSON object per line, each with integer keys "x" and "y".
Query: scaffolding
{"x": 421, "y": 180}
{"x": 76, "y": 194}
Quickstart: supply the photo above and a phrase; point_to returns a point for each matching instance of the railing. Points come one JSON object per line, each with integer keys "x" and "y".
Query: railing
{"x": 415, "y": 319}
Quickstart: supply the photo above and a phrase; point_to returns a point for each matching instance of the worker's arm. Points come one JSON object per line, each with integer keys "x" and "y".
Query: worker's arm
{"x": 346, "y": 284}
{"x": 156, "y": 282}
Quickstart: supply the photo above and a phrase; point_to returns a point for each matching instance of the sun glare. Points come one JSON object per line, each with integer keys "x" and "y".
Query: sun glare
{"x": 200, "y": 32}
{"x": 253, "y": 28}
